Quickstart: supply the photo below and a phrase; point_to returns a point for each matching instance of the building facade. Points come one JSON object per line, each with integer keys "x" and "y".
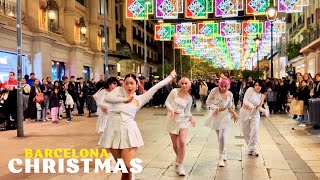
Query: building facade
{"x": 135, "y": 39}
{"x": 304, "y": 29}
{"x": 60, "y": 37}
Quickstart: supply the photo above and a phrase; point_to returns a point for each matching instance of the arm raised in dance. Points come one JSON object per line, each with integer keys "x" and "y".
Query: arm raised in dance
{"x": 145, "y": 97}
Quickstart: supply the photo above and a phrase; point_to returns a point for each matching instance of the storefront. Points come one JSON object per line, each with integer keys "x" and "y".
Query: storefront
{"x": 9, "y": 63}
{"x": 86, "y": 73}
{"x": 58, "y": 70}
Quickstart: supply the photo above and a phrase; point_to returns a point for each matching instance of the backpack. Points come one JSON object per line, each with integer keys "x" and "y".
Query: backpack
{"x": 39, "y": 98}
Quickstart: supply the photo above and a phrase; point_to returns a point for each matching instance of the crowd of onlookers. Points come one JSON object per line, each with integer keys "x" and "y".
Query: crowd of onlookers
{"x": 44, "y": 97}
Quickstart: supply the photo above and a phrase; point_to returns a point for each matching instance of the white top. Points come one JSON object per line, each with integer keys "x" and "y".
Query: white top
{"x": 118, "y": 97}
{"x": 252, "y": 98}
{"x": 215, "y": 99}
{"x": 99, "y": 98}
{"x": 177, "y": 104}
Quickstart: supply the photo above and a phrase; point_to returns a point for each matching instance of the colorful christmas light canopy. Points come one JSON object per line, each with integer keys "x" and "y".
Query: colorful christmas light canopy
{"x": 168, "y": 9}
{"x": 279, "y": 28}
{"x": 251, "y": 28}
{"x": 164, "y": 32}
{"x": 230, "y": 28}
{"x": 257, "y": 7}
{"x": 197, "y": 9}
{"x": 226, "y": 8}
{"x": 290, "y": 6}
{"x": 208, "y": 29}
{"x": 139, "y": 9}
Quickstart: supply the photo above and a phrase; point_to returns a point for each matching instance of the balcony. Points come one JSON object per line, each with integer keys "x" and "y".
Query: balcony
{"x": 314, "y": 35}
{"x": 137, "y": 37}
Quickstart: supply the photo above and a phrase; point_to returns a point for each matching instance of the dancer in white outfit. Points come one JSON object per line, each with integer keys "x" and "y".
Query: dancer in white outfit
{"x": 220, "y": 102}
{"x": 103, "y": 107}
{"x": 122, "y": 136}
{"x": 179, "y": 104}
{"x": 250, "y": 116}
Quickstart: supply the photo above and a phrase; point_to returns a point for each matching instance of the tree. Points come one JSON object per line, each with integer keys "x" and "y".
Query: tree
{"x": 293, "y": 50}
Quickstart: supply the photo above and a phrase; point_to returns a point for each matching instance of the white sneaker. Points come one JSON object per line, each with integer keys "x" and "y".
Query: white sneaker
{"x": 221, "y": 162}
{"x": 302, "y": 125}
{"x": 180, "y": 170}
{"x": 176, "y": 163}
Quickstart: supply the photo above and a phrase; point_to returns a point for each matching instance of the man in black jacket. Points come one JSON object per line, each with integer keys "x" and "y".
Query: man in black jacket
{"x": 81, "y": 90}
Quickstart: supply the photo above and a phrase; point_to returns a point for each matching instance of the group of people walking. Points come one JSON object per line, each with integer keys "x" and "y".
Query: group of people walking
{"x": 118, "y": 106}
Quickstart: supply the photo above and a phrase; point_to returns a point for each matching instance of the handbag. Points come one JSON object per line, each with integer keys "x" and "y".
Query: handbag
{"x": 296, "y": 107}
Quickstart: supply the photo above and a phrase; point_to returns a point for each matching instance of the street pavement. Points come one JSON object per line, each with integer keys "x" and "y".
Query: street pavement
{"x": 286, "y": 152}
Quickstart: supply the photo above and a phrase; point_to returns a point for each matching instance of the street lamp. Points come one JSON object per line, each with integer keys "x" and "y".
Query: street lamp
{"x": 82, "y": 26}
{"x": 145, "y": 38}
{"x": 257, "y": 41}
{"x": 271, "y": 14}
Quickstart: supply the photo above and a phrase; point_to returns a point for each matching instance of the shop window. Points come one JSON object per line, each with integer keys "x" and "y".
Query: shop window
{"x": 8, "y": 63}
{"x": 86, "y": 73}
{"x": 8, "y": 7}
{"x": 57, "y": 70}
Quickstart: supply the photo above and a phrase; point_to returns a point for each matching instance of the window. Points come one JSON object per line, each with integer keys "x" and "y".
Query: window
{"x": 139, "y": 50}
{"x": 81, "y": 2}
{"x": 53, "y": 16}
{"x": 135, "y": 48}
{"x": 101, "y": 6}
{"x": 117, "y": 14}
{"x": 8, "y": 7}
{"x": 139, "y": 33}
{"x": 117, "y": 31}
{"x": 108, "y": 39}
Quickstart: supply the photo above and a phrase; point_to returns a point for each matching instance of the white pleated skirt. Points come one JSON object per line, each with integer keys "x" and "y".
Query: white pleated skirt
{"x": 120, "y": 134}
{"x": 102, "y": 122}
{"x": 179, "y": 122}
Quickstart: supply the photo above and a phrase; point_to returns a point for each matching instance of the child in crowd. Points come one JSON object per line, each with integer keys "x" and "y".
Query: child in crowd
{"x": 54, "y": 105}
{"x": 271, "y": 100}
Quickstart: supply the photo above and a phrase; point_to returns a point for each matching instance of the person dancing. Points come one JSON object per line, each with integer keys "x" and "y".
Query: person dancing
{"x": 103, "y": 107}
{"x": 220, "y": 102}
{"x": 250, "y": 115}
{"x": 122, "y": 136}
{"x": 179, "y": 104}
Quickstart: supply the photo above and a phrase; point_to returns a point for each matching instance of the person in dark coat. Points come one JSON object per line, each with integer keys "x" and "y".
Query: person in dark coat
{"x": 282, "y": 97}
{"x": 54, "y": 104}
{"x": 81, "y": 90}
{"x": 304, "y": 95}
{"x": 316, "y": 90}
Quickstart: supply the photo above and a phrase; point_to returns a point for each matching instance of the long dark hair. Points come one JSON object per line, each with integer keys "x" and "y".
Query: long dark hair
{"x": 110, "y": 81}
{"x": 131, "y": 75}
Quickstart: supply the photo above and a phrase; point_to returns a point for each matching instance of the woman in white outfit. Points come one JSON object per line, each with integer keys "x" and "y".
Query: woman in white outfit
{"x": 220, "y": 102}
{"x": 103, "y": 107}
{"x": 250, "y": 116}
{"x": 121, "y": 135}
{"x": 179, "y": 104}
